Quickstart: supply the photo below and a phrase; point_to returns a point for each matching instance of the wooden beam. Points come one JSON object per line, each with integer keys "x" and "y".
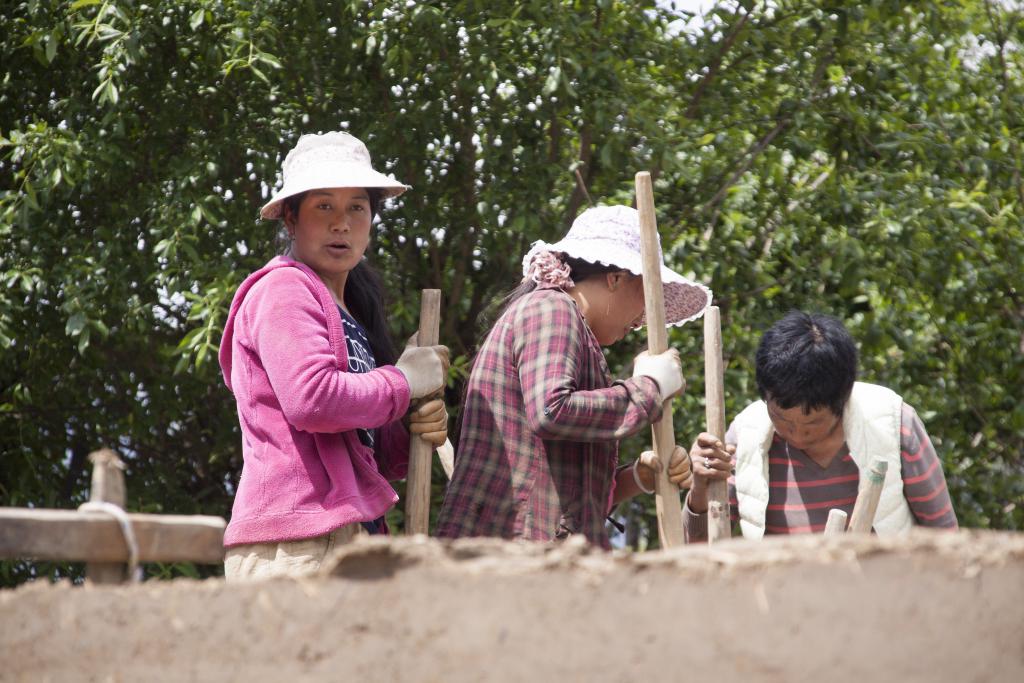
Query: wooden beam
{"x": 96, "y": 537}
{"x": 666, "y": 494}
{"x": 417, "y": 497}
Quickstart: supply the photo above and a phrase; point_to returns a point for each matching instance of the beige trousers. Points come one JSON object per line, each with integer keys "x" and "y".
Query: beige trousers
{"x": 289, "y": 558}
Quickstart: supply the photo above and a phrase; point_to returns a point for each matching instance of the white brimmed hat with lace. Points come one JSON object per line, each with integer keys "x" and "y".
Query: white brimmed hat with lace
{"x": 328, "y": 160}
{"x": 610, "y": 236}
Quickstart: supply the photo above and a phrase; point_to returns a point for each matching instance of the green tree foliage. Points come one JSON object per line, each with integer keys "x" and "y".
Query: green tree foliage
{"x": 859, "y": 158}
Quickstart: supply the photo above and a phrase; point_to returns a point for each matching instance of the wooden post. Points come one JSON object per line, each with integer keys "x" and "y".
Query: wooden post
{"x": 107, "y": 487}
{"x": 666, "y": 494}
{"x": 836, "y": 523}
{"x": 719, "y": 526}
{"x": 417, "y": 505}
{"x": 864, "y": 509}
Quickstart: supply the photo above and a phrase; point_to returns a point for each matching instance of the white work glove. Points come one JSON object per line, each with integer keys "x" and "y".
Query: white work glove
{"x": 424, "y": 368}
{"x": 665, "y": 369}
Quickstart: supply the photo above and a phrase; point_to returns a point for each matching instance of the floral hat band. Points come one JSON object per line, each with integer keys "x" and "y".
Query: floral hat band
{"x": 610, "y": 236}
{"x": 547, "y": 269}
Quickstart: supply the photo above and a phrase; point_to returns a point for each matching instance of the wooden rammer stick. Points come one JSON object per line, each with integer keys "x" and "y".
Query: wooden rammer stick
{"x": 714, "y": 412}
{"x": 417, "y": 504}
{"x": 836, "y": 522}
{"x": 666, "y": 494}
{"x": 863, "y": 516}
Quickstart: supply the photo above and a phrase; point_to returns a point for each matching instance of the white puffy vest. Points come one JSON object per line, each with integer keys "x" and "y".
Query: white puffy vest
{"x": 871, "y": 425}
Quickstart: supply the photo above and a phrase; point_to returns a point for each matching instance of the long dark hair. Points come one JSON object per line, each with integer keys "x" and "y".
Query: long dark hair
{"x": 364, "y": 290}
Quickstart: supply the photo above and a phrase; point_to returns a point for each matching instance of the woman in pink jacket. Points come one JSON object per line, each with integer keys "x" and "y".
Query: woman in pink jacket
{"x": 321, "y": 397}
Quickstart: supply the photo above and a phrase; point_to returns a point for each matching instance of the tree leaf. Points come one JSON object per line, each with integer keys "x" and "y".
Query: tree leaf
{"x": 552, "y": 81}
{"x": 83, "y": 341}
{"x": 51, "y": 47}
{"x": 75, "y": 324}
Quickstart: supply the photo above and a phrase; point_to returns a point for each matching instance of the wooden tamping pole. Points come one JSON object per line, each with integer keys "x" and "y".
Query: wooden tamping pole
{"x": 719, "y": 526}
{"x": 666, "y": 494}
{"x": 863, "y": 516}
{"x": 417, "y": 506}
{"x": 836, "y": 522}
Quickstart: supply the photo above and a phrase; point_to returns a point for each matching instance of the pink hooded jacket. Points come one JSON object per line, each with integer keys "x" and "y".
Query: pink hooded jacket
{"x": 305, "y": 472}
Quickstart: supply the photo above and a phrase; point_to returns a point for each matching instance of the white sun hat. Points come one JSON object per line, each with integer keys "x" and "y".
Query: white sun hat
{"x": 610, "y": 236}
{"x": 328, "y": 160}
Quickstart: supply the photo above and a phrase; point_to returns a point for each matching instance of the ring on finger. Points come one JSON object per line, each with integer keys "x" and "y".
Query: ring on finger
{"x": 707, "y": 463}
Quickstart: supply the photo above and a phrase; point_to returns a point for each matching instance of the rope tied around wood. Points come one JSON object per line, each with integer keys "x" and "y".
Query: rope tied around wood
{"x": 134, "y": 571}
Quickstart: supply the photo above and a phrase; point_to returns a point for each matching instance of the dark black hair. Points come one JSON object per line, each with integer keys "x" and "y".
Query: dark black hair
{"x": 364, "y": 290}
{"x": 807, "y": 360}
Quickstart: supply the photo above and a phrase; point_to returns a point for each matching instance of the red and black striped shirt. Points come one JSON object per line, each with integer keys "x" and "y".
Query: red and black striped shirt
{"x": 801, "y": 492}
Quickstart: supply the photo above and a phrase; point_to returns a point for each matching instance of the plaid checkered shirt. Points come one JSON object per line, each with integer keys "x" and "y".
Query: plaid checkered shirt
{"x": 540, "y": 429}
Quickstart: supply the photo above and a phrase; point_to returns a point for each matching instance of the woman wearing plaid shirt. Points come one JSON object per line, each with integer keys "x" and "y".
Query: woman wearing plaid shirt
{"x": 542, "y": 419}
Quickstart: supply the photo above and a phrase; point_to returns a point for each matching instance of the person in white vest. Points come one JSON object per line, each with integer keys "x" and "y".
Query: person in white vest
{"x": 804, "y": 448}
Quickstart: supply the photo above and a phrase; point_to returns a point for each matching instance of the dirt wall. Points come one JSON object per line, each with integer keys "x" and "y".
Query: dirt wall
{"x": 932, "y": 607}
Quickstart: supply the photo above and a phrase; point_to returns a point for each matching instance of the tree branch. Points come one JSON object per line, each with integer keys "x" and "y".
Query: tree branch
{"x": 1005, "y": 77}
{"x": 716, "y": 63}
{"x": 752, "y": 152}
{"x": 579, "y": 192}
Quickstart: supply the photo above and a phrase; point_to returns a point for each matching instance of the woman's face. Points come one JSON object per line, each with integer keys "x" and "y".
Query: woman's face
{"x": 331, "y": 230}
{"x": 803, "y": 430}
{"x": 622, "y": 311}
